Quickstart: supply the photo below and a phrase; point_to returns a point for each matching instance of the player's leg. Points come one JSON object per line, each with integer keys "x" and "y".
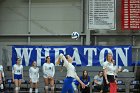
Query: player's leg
{"x": 19, "y": 81}
{"x": 51, "y": 80}
{"x": 19, "y": 84}
{"x": 46, "y": 84}
{"x": 70, "y": 90}
{"x": 31, "y": 86}
{"x": 1, "y": 83}
{"x": 67, "y": 85}
{"x": 36, "y": 87}
{"x": 16, "y": 83}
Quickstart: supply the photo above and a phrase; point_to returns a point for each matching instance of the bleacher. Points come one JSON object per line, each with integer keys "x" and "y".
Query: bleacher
{"x": 126, "y": 83}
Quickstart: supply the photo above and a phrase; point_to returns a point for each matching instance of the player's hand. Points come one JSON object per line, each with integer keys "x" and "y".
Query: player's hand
{"x": 61, "y": 55}
{"x": 49, "y": 77}
{"x": 116, "y": 81}
{"x": 107, "y": 82}
{"x": 58, "y": 61}
{"x": 101, "y": 91}
{"x": 83, "y": 85}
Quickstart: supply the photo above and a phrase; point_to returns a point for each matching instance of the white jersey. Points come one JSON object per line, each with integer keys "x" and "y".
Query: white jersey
{"x": 17, "y": 69}
{"x": 1, "y": 70}
{"x": 48, "y": 69}
{"x": 71, "y": 72}
{"x": 34, "y": 74}
{"x": 111, "y": 69}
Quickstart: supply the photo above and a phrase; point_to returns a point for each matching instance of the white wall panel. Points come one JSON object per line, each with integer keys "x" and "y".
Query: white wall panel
{"x": 53, "y": 1}
{"x": 55, "y": 18}
{"x": 47, "y": 17}
{"x": 13, "y": 3}
{"x": 13, "y": 17}
{"x": 55, "y": 12}
{"x": 54, "y": 27}
{"x": 13, "y": 27}
{"x": 10, "y": 14}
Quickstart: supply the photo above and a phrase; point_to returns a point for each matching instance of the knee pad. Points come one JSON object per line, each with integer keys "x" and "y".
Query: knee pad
{"x": 1, "y": 86}
{"x": 36, "y": 90}
{"x": 52, "y": 88}
{"x": 16, "y": 88}
{"x": 30, "y": 90}
{"x": 46, "y": 87}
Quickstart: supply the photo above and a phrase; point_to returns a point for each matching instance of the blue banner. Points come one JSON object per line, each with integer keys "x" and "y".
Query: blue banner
{"x": 82, "y": 55}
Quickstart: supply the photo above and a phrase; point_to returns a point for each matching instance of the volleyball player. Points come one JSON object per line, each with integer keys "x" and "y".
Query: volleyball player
{"x": 71, "y": 74}
{"x": 48, "y": 71}
{"x": 17, "y": 74}
{"x": 1, "y": 78}
{"x": 34, "y": 77}
{"x": 109, "y": 72}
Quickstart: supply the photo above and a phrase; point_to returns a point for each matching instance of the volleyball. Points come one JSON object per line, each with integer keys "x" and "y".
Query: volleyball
{"x": 75, "y": 35}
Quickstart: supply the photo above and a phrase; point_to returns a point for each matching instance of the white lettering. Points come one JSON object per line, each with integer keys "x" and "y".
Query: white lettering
{"x": 90, "y": 54}
{"x": 76, "y": 56}
{"x": 39, "y": 55}
{"x": 24, "y": 53}
{"x": 123, "y": 55}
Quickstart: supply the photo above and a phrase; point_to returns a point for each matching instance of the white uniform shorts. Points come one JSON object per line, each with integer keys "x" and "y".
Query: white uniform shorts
{"x": 34, "y": 80}
{"x": 45, "y": 76}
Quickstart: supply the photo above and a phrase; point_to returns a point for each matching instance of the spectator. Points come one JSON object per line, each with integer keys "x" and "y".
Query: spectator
{"x": 86, "y": 80}
{"x": 98, "y": 82}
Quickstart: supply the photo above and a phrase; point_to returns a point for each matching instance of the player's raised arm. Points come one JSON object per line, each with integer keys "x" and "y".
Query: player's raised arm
{"x": 71, "y": 74}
